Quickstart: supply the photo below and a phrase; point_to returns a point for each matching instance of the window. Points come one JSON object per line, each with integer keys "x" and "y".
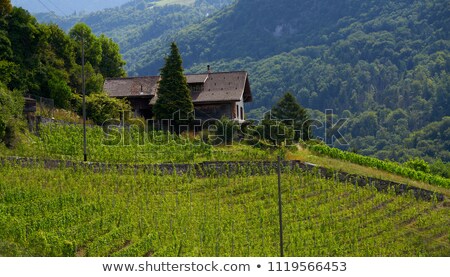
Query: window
{"x": 242, "y": 113}
{"x": 196, "y": 88}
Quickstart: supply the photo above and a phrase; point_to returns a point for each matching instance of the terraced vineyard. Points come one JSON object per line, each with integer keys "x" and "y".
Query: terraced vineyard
{"x": 388, "y": 166}
{"x": 57, "y": 141}
{"x": 63, "y": 212}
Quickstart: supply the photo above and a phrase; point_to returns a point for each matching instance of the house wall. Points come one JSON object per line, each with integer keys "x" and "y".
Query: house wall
{"x": 240, "y": 112}
{"x": 213, "y": 111}
{"x": 233, "y": 110}
{"x": 141, "y": 107}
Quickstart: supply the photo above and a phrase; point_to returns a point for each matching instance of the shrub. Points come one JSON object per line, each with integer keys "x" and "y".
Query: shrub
{"x": 100, "y": 107}
{"x": 226, "y": 131}
{"x": 418, "y": 164}
{"x": 275, "y": 132}
{"x": 11, "y": 108}
{"x": 440, "y": 168}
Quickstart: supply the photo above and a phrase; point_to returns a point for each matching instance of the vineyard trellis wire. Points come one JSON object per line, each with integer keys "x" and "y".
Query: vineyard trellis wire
{"x": 67, "y": 212}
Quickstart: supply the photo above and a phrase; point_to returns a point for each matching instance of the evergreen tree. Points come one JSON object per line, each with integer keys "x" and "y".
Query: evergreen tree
{"x": 291, "y": 113}
{"x": 174, "y": 97}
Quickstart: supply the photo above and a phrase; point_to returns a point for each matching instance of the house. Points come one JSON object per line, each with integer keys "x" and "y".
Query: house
{"x": 213, "y": 94}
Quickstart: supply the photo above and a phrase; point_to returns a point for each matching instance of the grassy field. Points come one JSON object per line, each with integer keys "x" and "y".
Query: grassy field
{"x": 80, "y": 213}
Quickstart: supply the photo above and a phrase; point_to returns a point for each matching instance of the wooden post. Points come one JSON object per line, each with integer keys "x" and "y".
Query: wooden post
{"x": 280, "y": 207}
{"x": 84, "y": 96}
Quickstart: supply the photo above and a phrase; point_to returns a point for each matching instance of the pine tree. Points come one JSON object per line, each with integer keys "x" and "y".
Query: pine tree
{"x": 290, "y": 112}
{"x": 174, "y": 96}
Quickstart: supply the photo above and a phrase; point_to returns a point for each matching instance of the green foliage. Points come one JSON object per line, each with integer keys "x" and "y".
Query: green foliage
{"x": 418, "y": 165}
{"x": 59, "y": 90}
{"x": 226, "y": 132}
{"x": 440, "y": 168}
{"x": 274, "y": 132}
{"x": 11, "y": 107}
{"x": 94, "y": 81}
{"x": 5, "y": 45}
{"x": 62, "y": 46}
{"x": 291, "y": 113}
{"x": 433, "y": 140}
{"x": 102, "y": 59}
{"x": 24, "y": 34}
{"x": 365, "y": 125}
{"x": 8, "y": 70}
{"x": 82, "y": 34}
{"x": 173, "y": 93}
{"x": 112, "y": 63}
{"x": 5, "y": 7}
{"x": 100, "y": 107}
{"x": 45, "y": 61}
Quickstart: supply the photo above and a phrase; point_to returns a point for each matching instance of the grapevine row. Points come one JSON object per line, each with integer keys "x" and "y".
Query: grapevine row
{"x": 389, "y": 166}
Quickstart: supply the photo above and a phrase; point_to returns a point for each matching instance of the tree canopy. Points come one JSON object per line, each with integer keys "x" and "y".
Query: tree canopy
{"x": 41, "y": 60}
{"x": 291, "y": 113}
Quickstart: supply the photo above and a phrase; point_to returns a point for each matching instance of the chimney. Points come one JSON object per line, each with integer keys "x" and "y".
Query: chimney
{"x": 209, "y": 69}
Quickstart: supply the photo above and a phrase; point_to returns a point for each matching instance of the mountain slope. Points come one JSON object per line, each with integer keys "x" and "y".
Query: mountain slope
{"x": 383, "y": 64}
{"x": 265, "y": 28}
{"x": 136, "y": 22}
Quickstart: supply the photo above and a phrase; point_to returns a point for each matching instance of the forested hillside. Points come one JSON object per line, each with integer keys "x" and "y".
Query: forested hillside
{"x": 383, "y": 64}
{"x": 136, "y": 23}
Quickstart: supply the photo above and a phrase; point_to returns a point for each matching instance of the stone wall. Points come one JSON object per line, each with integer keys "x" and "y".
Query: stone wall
{"x": 205, "y": 169}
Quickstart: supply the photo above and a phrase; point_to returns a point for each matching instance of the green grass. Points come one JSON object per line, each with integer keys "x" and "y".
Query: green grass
{"x": 64, "y": 212}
